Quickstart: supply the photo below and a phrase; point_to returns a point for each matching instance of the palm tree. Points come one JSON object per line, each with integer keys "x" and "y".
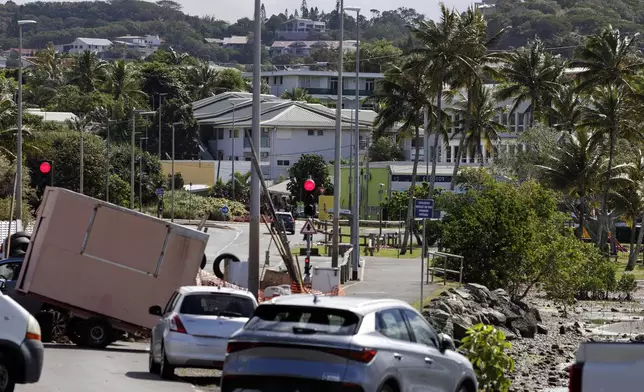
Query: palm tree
{"x": 52, "y": 64}
{"x": 299, "y": 94}
{"x": 567, "y": 108}
{"x": 403, "y": 98}
{"x": 574, "y": 168}
{"x": 529, "y": 74}
{"x": 483, "y": 131}
{"x": 202, "y": 80}
{"x": 124, "y": 87}
{"x": 177, "y": 58}
{"x": 443, "y": 49}
{"x": 88, "y": 71}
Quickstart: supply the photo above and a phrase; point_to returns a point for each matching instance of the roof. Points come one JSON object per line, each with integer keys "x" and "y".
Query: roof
{"x": 236, "y": 40}
{"x": 308, "y": 72}
{"x": 311, "y": 44}
{"x": 184, "y": 290}
{"x": 59, "y": 117}
{"x": 407, "y": 169}
{"x": 361, "y": 306}
{"x": 95, "y": 41}
{"x": 280, "y": 189}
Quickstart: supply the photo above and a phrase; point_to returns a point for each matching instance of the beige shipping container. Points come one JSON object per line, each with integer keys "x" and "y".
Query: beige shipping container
{"x": 105, "y": 262}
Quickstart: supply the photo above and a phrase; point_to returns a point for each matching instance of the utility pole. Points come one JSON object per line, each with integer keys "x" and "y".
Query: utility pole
{"x": 141, "y": 139}
{"x": 133, "y": 141}
{"x": 107, "y": 172}
{"x": 232, "y": 140}
{"x": 338, "y": 149}
{"x": 172, "y": 181}
{"x": 82, "y": 157}
{"x": 160, "y": 102}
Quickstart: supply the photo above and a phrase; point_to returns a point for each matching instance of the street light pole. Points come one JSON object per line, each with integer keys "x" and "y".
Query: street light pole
{"x": 254, "y": 235}
{"x": 134, "y": 112}
{"x": 172, "y": 181}
{"x": 338, "y": 148}
{"x": 107, "y": 175}
{"x": 233, "y": 156}
{"x": 161, "y": 95}
{"x": 82, "y": 158}
{"x": 18, "y": 185}
{"x": 355, "y": 235}
{"x": 380, "y": 192}
{"x": 141, "y": 173}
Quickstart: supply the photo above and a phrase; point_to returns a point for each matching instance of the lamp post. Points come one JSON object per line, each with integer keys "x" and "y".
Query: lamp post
{"x": 161, "y": 95}
{"x": 133, "y": 141}
{"x": 338, "y": 148}
{"x": 141, "y": 139}
{"x": 380, "y": 192}
{"x": 107, "y": 174}
{"x": 19, "y": 141}
{"x": 172, "y": 174}
{"x": 355, "y": 236}
{"x": 232, "y": 141}
{"x": 82, "y": 158}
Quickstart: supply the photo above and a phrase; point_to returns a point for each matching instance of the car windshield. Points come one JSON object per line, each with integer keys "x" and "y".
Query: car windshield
{"x": 216, "y": 304}
{"x": 303, "y": 320}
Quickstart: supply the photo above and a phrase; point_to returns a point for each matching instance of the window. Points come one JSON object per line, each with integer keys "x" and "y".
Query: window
{"x": 420, "y": 141}
{"x": 391, "y": 324}
{"x": 311, "y": 132}
{"x": 521, "y": 122}
{"x": 448, "y": 154}
{"x": 283, "y": 162}
{"x": 10, "y": 271}
{"x": 303, "y": 320}
{"x": 220, "y": 134}
{"x": 215, "y": 304}
{"x": 513, "y": 122}
{"x": 369, "y": 84}
{"x": 281, "y": 79}
{"x": 333, "y": 84}
{"x": 422, "y": 331}
{"x": 320, "y": 132}
{"x": 504, "y": 119}
{"x": 171, "y": 303}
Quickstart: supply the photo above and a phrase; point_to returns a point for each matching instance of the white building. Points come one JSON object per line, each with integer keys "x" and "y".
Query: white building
{"x": 298, "y": 29}
{"x": 152, "y": 41}
{"x": 322, "y": 85}
{"x": 80, "y": 45}
{"x": 289, "y": 129}
{"x": 235, "y": 42}
{"x": 305, "y": 48}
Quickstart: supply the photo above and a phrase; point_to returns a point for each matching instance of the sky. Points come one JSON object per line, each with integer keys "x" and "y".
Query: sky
{"x": 234, "y": 10}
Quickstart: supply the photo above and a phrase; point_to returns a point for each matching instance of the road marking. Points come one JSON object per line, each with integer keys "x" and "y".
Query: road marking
{"x": 231, "y": 242}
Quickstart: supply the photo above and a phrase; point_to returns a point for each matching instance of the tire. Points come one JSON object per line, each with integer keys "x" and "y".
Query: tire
{"x": 7, "y": 381}
{"x": 204, "y": 261}
{"x": 386, "y": 388}
{"x": 216, "y": 266}
{"x": 95, "y": 333}
{"x": 72, "y": 331}
{"x": 153, "y": 367}
{"x": 46, "y": 321}
{"x": 166, "y": 370}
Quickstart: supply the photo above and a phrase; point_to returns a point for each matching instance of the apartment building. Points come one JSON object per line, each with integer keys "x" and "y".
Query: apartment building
{"x": 300, "y": 29}
{"x": 289, "y": 129}
{"x": 80, "y": 45}
{"x": 305, "y": 48}
{"x": 323, "y": 85}
{"x": 234, "y": 42}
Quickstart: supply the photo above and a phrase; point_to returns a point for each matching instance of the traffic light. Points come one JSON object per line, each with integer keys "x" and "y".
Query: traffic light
{"x": 307, "y": 266}
{"x": 45, "y": 176}
{"x": 309, "y": 201}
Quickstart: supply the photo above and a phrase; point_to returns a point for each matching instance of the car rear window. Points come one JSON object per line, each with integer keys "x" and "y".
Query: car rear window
{"x": 303, "y": 320}
{"x": 284, "y": 217}
{"x": 217, "y": 304}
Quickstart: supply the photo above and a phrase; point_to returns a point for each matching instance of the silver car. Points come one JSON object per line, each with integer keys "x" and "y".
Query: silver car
{"x": 310, "y": 343}
{"x": 195, "y": 327}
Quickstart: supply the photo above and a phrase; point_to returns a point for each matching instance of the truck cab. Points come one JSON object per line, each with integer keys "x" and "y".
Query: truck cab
{"x": 9, "y": 272}
{"x": 21, "y": 349}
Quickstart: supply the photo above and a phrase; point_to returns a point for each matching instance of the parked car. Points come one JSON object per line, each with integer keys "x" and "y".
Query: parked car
{"x": 195, "y": 326}
{"x": 286, "y": 219}
{"x": 303, "y": 342}
{"x": 21, "y": 350}
{"x": 606, "y": 366}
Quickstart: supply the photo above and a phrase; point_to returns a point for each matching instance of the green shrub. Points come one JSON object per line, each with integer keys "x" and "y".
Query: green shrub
{"x": 191, "y": 206}
{"x": 485, "y": 346}
{"x": 627, "y": 285}
{"x": 5, "y": 207}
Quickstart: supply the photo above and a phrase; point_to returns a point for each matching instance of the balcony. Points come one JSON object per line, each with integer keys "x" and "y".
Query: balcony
{"x": 334, "y": 91}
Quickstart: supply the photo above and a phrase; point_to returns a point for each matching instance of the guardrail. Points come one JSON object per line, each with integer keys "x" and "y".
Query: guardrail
{"x": 363, "y": 223}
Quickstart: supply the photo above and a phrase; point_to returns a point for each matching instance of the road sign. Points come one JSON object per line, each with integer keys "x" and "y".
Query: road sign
{"x": 159, "y": 191}
{"x": 224, "y": 210}
{"x": 424, "y": 208}
{"x": 308, "y": 228}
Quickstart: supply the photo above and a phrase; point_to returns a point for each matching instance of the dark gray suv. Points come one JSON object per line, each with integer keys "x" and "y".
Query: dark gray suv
{"x": 286, "y": 220}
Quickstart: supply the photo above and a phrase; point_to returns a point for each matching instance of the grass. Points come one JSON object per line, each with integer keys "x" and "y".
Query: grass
{"x": 622, "y": 260}
{"x": 434, "y": 294}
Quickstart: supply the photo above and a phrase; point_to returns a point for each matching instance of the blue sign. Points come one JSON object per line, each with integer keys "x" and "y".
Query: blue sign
{"x": 159, "y": 191}
{"x": 224, "y": 210}
{"x": 424, "y": 208}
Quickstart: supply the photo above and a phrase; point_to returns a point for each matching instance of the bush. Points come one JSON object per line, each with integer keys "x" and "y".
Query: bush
{"x": 5, "y": 207}
{"x": 627, "y": 285}
{"x": 191, "y": 206}
{"x": 485, "y": 347}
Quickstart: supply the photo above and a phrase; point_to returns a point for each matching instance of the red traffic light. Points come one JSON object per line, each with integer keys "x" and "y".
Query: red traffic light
{"x": 309, "y": 185}
{"x": 45, "y": 167}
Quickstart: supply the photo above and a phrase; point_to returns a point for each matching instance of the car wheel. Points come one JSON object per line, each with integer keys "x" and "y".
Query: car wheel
{"x": 96, "y": 333}
{"x": 387, "y": 388}
{"x": 7, "y": 383}
{"x": 153, "y": 366}
{"x": 166, "y": 370}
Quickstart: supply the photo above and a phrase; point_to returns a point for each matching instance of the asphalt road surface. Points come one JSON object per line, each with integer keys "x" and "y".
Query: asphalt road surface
{"x": 121, "y": 367}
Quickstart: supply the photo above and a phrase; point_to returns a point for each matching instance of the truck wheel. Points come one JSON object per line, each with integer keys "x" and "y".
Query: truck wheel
{"x": 7, "y": 381}
{"x": 72, "y": 329}
{"x": 95, "y": 333}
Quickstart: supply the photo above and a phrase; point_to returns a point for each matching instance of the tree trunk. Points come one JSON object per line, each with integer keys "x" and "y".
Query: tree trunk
{"x": 631, "y": 242}
{"x": 439, "y": 115}
{"x": 461, "y": 140}
{"x": 410, "y": 203}
{"x": 582, "y": 216}
{"x": 602, "y": 240}
{"x": 636, "y": 252}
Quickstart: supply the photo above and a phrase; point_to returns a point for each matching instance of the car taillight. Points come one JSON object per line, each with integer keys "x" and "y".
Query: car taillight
{"x": 364, "y": 356}
{"x": 574, "y": 382}
{"x": 176, "y": 325}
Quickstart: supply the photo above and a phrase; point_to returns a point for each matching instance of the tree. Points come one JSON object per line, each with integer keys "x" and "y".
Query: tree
{"x": 308, "y": 166}
{"x": 385, "y": 149}
{"x": 203, "y": 81}
{"x": 124, "y": 86}
{"x": 304, "y": 9}
{"x": 88, "y": 71}
{"x": 299, "y": 94}
{"x": 262, "y": 13}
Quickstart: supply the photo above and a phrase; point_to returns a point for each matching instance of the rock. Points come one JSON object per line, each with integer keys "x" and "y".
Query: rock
{"x": 494, "y": 317}
{"x": 562, "y": 329}
{"x": 542, "y": 330}
{"x": 461, "y": 293}
{"x": 460, "y": 327}
{"x": 526, "y": 328}
{"x": 614, "y": 310}
{"x": 639, "y": 338}
{"x": 480, "y": 292}
{"x": 535, "y": 313}
{"x": 444, "y": 307}
{"x": 509, "y": 335}
{"x": 455, "y": 305}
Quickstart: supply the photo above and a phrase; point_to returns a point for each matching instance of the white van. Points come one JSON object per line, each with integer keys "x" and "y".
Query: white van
{"x": 21, "y": 349}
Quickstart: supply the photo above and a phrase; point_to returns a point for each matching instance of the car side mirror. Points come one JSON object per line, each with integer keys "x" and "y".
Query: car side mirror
{"x": 446, "y": 343}
{"x": 156, "y": 310}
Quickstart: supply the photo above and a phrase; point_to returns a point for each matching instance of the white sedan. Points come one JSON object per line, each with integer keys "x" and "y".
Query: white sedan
{"x": 195, "y": 326}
